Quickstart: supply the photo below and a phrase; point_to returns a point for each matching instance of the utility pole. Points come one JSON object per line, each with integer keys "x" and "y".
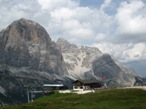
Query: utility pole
{"x": 31, "y": 96}
{"x": 28, "y": 95}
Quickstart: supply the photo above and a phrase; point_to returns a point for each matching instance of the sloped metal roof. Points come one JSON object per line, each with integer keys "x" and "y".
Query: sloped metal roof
{"x": 88, "y": 81}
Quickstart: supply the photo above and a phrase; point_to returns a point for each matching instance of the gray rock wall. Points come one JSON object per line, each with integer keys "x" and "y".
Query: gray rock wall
{"x": 27, "y": 44}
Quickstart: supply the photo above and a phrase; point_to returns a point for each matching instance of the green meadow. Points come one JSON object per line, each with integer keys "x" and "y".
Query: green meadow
{"x": 105, "y": 99}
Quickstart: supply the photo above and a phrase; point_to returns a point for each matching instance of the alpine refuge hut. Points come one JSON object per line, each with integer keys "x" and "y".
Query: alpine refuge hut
{"x": 87, "y": 84}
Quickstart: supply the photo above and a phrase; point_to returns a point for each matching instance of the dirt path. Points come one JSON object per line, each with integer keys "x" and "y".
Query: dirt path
{"x": 136, "y": 87}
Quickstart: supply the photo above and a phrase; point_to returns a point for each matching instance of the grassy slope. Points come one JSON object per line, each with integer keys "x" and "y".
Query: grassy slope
{"x": 108, "y": 99}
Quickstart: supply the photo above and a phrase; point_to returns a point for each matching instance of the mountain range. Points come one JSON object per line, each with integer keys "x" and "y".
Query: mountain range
{"x": 29, "y": 58}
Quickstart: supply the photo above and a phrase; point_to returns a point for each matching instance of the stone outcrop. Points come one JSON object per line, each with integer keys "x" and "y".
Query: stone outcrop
{"x": 27, "y": 44}
{"x": 28, "y": 59}
{"x": 91, "y": 63}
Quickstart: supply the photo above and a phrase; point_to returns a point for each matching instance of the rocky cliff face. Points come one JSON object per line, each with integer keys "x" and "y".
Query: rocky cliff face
{"x": 91, "y": 63}
{"x": 28, "y": 58}
{"x": 113, "y": 72}
{"x": 27, "y": 44}
{"x": 78, "y": 60}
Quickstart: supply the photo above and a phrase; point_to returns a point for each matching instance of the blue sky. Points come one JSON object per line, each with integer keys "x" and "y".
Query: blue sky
{"x": 91, "y": 3}
{"x": 116, "y": 27}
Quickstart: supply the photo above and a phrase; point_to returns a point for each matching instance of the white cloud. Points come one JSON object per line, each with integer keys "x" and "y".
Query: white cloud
{"x": 53, "y": 4}
{"x": 13, "y": 10}
{"x": 63, "y": 13}
{"x": 136, "y": 53}
{"x": 131, "y": 20}
{"x": 83, "y": 23}
{"x": 100, "y": 37}
{"x": 105, "y": 4}
{"x": 124, "y": 52}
